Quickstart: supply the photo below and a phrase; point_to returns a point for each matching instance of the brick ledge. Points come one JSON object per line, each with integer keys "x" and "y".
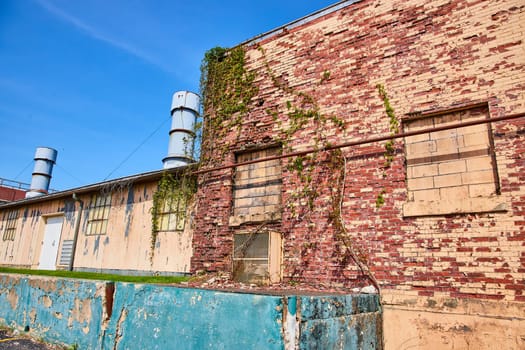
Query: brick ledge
{"x": 465, "y": 206}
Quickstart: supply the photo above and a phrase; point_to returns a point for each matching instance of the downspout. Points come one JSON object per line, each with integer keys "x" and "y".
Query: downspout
{"x": 77, "y": 228}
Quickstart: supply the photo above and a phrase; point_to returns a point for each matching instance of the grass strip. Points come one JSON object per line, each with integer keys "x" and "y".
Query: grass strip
{"x": 97, "y": 276}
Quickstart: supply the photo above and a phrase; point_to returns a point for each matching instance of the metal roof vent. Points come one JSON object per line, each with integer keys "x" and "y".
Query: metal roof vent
{"x": 45, "y": 158}
{"x": 184, "y": 112}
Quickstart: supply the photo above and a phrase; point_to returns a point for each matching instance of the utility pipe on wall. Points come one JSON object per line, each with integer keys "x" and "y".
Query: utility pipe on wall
{"x": 362, "y": 142}
{"x": 75, "y": 232}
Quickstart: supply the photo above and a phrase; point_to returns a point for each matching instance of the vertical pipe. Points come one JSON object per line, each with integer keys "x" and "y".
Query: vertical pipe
{"x": 184, "y": 112}
{"x": 75, "y": 233}
{"x": 45, "y": 158}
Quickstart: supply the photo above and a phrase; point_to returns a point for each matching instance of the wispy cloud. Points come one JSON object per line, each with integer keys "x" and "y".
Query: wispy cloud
{"x": 104, "y": 37}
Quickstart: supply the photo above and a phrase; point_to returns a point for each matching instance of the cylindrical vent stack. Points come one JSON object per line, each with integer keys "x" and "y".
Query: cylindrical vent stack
{"x": 45, "y": 158}
{"x": 184, "y": 112}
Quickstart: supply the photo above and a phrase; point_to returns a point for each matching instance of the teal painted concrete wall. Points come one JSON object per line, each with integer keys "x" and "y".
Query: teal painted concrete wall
{"x": 102, "y": 315}
{"x": 60, "y": 310}
{"x": 178, "y": 318}
{"x": 340, "y": 322}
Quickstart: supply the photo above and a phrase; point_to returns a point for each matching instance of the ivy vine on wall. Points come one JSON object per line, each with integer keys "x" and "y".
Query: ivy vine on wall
{"x": 227, "y": 90}
{"x": 302, "y": 112}
{"x": 390, "y": 151}
{"x": 171, "y": 188}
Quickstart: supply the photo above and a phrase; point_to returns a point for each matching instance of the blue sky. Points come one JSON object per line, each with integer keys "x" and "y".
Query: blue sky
{"x": 93, "y": 79}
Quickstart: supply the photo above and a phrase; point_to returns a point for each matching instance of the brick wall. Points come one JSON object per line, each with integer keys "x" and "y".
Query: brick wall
{"x": 431, "y": 55}
{"x": 8, "y": 194}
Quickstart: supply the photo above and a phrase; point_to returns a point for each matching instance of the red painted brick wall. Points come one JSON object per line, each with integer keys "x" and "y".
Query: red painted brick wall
{"x": 9, "y": 194}
{"x": 430, "y": 55}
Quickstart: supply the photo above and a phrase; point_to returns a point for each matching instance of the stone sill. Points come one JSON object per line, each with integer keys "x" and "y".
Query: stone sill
{"x": 455, "y": 206}
{"x": 237, "y": 220}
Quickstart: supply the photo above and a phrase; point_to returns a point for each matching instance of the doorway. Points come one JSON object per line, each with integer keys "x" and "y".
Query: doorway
{"x": 49, "y": 253}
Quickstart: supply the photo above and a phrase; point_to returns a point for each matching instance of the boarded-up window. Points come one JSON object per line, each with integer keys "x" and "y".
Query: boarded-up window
{"x": 10, "y": 225}
{"x": 99, "y": 214}
{"x": 450, "y": 171}
{"x": 257, "y": 257}
{"x": 257, "y": 188}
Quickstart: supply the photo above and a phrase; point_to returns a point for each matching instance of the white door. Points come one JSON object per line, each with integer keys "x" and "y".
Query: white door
{"x": 48, "y": 255}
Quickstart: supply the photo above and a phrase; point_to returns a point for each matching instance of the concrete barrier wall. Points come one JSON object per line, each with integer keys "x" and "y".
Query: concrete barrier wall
{"x": 162, "y": 317}
{"x": 103, "y": 315}
{"x": 340, "y": 322}
{"x": 58, "y": 310}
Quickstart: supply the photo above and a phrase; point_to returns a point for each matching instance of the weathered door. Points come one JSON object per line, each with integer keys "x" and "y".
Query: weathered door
{"x": 48, "y": 255}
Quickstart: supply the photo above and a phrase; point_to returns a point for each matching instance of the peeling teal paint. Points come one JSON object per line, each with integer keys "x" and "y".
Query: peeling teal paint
{"x": 102, "y": 315}
{"x": 340, "y": 322}
{"x": 50, "y": 308}
{"x": 292, "y": 305}
{"x": 182, "y": 318}
{"x": 337, "y": 305}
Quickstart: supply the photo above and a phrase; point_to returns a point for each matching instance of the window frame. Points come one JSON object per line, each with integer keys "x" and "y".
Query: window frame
{"x": 272, "y": 209}
{"x": 10, "y": 225}
{"x": 172, "y": 214}
{"x": 469, "y": 204}
{"x": 98, "y": 217}
{"x": 272, "y": 256}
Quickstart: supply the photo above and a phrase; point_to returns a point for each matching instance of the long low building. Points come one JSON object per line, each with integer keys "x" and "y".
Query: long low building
{"x": 104, "y": 227}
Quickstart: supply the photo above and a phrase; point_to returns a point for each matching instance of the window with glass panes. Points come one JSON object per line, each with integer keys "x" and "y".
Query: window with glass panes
{"x": 257, "y": 257}
{"x": 10, "y": 226}
{"x": 172, "y": 213}
{"x": 99, "y": 214}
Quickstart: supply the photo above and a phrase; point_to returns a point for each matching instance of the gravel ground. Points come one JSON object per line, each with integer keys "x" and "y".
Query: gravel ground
{"x": 13, "y": 340}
